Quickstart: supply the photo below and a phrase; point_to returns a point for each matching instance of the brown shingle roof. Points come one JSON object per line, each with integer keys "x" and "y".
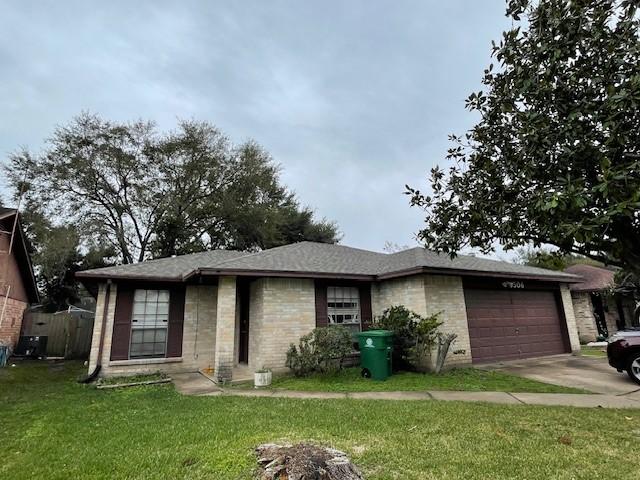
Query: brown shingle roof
{"x": 594, "y": 279}
{"x": 320, "y": 259}
{"x": 170, "y": 268}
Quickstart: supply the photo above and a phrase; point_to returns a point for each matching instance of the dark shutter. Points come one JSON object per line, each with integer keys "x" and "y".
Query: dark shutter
{"x": 176, "y": 321}
{"x": 122, "y": 323}
{"x": 321, "y": 304}
{"x": 366, "y": 317}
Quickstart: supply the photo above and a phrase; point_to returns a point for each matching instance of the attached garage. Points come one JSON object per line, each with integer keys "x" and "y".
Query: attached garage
{"x": 510, "y": 324}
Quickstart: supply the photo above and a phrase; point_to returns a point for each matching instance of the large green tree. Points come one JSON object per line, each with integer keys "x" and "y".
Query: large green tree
{"x": 555, "y": 155}
{"x": 151, "y": 194}
{"x": 56, "y": 255}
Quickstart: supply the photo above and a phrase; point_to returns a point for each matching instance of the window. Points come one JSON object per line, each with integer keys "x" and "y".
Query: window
{"x": 343, "y": 307}
{"x": 149, "y": 323}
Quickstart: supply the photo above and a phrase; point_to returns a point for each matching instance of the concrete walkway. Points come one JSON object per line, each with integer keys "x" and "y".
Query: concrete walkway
{"x": 197, "y": 384}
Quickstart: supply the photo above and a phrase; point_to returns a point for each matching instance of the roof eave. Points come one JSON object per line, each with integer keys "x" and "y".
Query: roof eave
{"x": 475, "y": 273}
{"x": 578, "y": 289}
{"x": 238, "y": 272}
{"x": 87, "y": 275}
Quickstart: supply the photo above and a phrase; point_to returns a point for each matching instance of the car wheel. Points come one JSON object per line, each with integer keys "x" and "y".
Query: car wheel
{"x": 633, "y": 367}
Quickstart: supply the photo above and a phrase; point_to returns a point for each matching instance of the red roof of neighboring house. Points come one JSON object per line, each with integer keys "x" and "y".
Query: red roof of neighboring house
{"x": 595, "y": 278}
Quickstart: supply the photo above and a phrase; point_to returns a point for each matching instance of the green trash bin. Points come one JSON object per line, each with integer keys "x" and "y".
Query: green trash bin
{"x": 376, "y": 348}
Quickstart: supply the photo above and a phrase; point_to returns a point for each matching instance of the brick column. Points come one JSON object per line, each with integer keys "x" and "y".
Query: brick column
{"x": 569, "y": 315}
{"x": 225, "y": 329}
{"x": 97, "y": 326}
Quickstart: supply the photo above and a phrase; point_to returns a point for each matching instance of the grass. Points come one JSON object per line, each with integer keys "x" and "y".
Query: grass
{"x": 599, "y": 352}
{"x": 468, "y": 379}
{"x": 54, "y": 428}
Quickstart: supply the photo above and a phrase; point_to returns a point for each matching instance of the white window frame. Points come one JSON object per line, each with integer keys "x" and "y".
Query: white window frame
{"x": 344, "y": 302}
{"x": 150, "y": 318}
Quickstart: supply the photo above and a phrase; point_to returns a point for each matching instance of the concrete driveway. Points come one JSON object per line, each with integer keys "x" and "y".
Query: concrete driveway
{"x": 588, "y": 373}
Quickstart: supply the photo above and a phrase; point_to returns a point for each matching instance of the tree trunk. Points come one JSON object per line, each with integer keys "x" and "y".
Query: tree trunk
{"x": 304, "y": 462}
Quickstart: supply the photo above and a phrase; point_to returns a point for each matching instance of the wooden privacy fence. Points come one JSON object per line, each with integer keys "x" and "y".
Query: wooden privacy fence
{"x": 68, "y": 335}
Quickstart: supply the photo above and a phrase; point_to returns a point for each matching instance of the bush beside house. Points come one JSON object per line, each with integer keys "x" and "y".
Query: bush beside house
{"x": 323, "y": 350}
{"x": 414, "y": 337}
{"x": 418, "y": 345}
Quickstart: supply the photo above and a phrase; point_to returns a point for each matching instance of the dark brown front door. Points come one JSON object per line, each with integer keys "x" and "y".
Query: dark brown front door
{"x": 511, "y": 324}
{"x": 243, "y": 300}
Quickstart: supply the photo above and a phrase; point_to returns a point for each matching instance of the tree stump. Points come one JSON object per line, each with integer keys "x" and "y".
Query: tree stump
{"x": 304, "y": 462}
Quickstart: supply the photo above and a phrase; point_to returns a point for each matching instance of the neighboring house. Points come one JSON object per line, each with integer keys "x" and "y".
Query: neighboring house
{"x": 230, "y": 311}
{"x": 599, "y": 313}
{"x": 17, "y": 284}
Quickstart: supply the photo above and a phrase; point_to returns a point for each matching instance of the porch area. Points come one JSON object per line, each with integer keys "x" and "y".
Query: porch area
{"x": 256, "y": 319}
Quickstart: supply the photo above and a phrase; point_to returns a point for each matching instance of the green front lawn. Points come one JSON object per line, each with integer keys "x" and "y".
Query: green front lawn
{"x": 469, "y": 379}
{"x": 52, "y": 428}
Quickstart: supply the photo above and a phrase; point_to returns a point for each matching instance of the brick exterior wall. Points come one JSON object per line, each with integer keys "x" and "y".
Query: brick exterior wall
{"x": 585, "y": 320}
{"x": 583, "y": 312}
{"x": 569, "y": 315}
{"x": 12, "y": 320}
{"x": 407, "y": 291}
{"x": 445, "y": 294}
{"x": 198, "y": 336}
{"x": 427, "y": 295}
{"x": 281, "y": 311}
{"x": 612, "y": 317}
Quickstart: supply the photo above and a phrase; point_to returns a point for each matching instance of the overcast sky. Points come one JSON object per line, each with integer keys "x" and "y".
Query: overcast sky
{"x": 354, "y": 99}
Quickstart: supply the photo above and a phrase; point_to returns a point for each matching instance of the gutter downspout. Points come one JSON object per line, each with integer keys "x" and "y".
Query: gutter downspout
{"x": 93, "y": 375}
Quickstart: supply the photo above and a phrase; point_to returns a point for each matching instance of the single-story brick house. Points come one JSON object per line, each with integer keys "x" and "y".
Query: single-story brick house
{"x": 235, "y": 311}
{"x": 17, "y": 283}
{"x": 598, "y": 312}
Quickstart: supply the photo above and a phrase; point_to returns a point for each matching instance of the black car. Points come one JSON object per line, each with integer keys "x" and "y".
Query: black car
{"x": 623, "y": 352}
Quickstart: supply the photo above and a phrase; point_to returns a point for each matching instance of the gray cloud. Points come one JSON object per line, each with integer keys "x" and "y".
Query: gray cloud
{"x": 354, "y": 99}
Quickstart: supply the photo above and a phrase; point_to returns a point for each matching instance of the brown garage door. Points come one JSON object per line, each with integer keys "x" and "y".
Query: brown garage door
{"x": 507, "y": 324}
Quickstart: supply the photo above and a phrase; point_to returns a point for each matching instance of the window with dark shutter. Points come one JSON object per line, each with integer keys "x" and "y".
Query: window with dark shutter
{"x": 122, "y": 323}
{"x": 366, "y": 314}
{"x": 149, "y": 323}
{"x": 176, "y": 322}
{"x": 343, "y": 307}
{"x": 322, "y": 320}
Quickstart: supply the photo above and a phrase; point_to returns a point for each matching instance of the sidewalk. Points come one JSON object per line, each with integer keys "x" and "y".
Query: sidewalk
{"x": 197, "y": 384}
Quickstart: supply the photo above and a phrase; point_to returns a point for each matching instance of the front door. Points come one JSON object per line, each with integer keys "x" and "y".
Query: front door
{"x": 243, "y": 347}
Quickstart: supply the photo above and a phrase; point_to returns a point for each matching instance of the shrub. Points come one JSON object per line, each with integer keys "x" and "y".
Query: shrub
{"x": 322, "y": 350}
{"x": 414, "y": 336}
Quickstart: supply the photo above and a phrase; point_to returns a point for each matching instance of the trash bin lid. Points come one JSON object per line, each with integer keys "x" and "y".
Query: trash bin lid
{"x": 376, "y": 333}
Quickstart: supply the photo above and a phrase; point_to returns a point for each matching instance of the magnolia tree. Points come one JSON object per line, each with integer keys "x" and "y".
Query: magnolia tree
{"x": 555, "y": 156}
